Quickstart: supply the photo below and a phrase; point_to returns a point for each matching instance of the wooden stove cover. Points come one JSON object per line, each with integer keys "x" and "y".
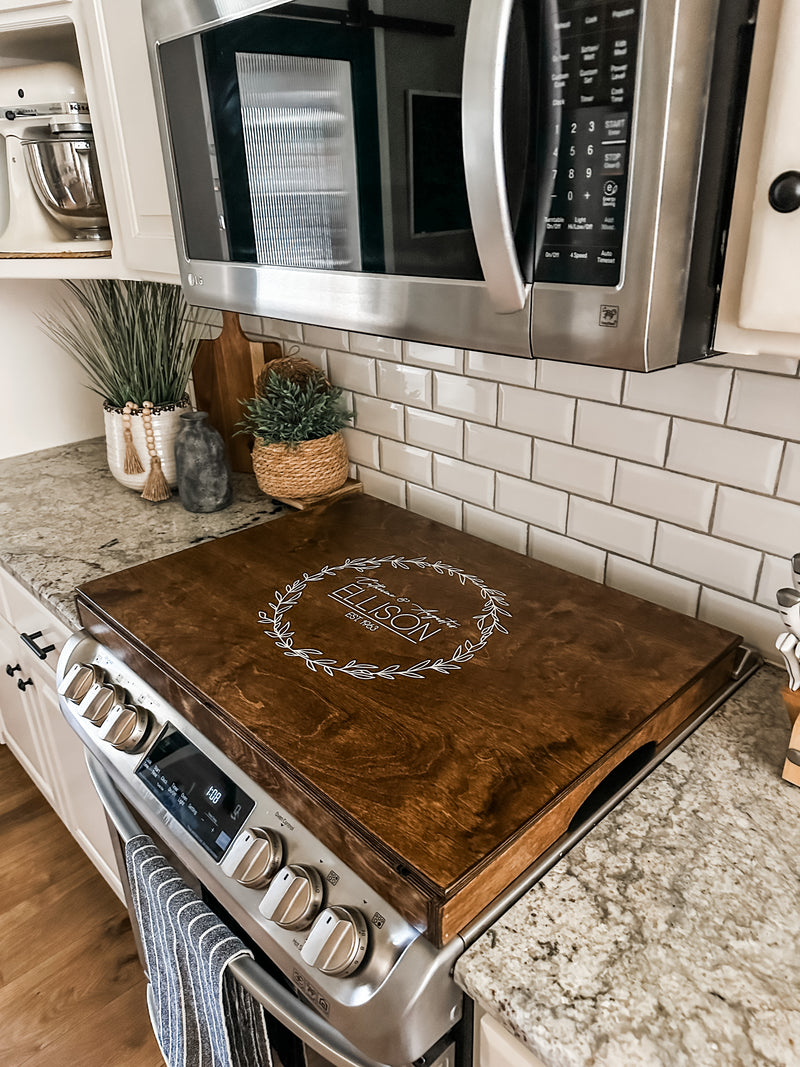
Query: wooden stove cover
{"x": 435, "y": 702}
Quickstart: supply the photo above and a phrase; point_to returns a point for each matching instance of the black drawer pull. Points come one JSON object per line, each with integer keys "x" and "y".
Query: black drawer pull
{"x": 30, "y": 641}
{"x": 11, "y": 671}
{"x": 23, "y": 683}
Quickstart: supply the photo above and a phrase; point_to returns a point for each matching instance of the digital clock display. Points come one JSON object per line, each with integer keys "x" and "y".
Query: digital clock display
{"x": 203, "y": 799}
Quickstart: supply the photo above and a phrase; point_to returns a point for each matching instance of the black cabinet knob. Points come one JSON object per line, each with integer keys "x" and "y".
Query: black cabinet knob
{"x": 784, "y": 193}
{"x": 23, "y": 683}
{"x": 11, "y": 671}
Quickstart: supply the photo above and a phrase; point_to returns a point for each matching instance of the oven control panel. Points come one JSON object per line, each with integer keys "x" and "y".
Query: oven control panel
{"x": 302, "y": 904}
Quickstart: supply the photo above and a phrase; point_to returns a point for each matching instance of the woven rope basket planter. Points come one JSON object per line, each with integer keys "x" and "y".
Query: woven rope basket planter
{"x": 312, "y": 468}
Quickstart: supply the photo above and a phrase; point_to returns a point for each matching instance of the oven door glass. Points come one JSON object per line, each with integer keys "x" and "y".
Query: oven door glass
{"x": 328, "y": 136}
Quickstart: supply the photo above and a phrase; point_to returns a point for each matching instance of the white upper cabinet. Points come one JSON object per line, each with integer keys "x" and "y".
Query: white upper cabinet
{"x": 760, "y": 310}
{"x": 125, "y": 110}
{"x": 104, "y": 40}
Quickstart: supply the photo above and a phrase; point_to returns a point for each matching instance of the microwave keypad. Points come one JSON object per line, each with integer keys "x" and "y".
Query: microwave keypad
{"x": 591, "y": 89}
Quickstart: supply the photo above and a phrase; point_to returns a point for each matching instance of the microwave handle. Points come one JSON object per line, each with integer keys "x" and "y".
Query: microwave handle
{"x": 287, "y": 1009}
{"x": 484, "y": 163}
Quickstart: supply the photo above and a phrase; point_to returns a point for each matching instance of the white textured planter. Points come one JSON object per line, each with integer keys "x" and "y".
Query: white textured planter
{"x": 165, "y": 422}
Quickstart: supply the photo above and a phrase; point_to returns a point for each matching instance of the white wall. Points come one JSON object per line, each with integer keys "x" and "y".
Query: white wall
{"x": 43, "y": 401}
{"x": 681, "y": 486}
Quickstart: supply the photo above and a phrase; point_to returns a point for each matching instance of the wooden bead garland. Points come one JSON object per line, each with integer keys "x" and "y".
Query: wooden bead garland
{"x": 132, "y": 464}
{"x": 156, "y": 488}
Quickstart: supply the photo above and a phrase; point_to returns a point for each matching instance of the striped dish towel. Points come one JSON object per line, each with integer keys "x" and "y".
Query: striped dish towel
{"x": 202, "y": 1017}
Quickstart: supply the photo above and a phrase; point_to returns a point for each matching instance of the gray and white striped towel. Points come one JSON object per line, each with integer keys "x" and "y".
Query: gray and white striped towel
{"x": 201, "y": 1015}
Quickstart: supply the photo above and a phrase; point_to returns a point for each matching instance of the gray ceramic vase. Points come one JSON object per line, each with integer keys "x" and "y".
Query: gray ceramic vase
{"x": 203, "y": 470}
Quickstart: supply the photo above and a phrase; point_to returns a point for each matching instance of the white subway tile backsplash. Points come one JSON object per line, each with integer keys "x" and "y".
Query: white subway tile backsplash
{"x": 789, "y": 482}
{"x": 465, "y": 397}
{"x": 573, "y": 470}
{"x": 611, "y": 528}
{"x": 757, "y": 521}
{"x": 760, "y": 626}
{"x": 708, "y": 560}
{"x": 496, "y": 368}
{"x": 383, "y": 486}
{"x": 498, "y": 529}
{"x": 504, "y": 451}
{"x": 464, "y": 480}
{"x": 405, "y": 461}
{"x": 692, "y": 390}
{"x": 664, "y": 495}
{"x": 436, "y": 506}
{"x": 616, "y": 431}
{"x": 438, "y": 357}
{"x": 538, "y": 414}
{"x": 596, "y": 383}
{"x": 325, "y": 337}
{"x": 652, "y": 585}
{"x": 567, "y": 554}
{"x": 766, "y": 403}
{"x": 440, "y": 433}
{"x": 537, "y": 504}
{"x": 317, "y": 356}
{"x": 721, "y": 455}
{"x": 406, "y": 385}
{"x": 763, "y": 362}
{"x": 362, "y": 447}
{"x": 379, "y": 416}
{"x": 382, "y": 347}
{"x": 352, "y": 372}
{"x": 776, "y": 574}
{"x": 271, "y": 329}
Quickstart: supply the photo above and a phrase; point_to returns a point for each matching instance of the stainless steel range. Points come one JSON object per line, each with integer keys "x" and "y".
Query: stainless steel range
{"x": 361, "y": 751}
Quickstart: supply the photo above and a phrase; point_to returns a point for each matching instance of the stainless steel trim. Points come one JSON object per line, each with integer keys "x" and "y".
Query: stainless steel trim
{"x": 297, "y": 1017}
{"x": 747, "y": 665}
{"x": 484, "y": 164}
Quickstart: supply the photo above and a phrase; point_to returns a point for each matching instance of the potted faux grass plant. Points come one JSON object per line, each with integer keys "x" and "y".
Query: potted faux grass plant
{"x": 136, "y": 342}
{"x": 296, "y": 421}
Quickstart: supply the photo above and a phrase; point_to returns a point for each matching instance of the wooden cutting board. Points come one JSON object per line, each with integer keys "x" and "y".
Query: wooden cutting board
{"x": 436, "y": 707}
{"x": 224, "y": 373}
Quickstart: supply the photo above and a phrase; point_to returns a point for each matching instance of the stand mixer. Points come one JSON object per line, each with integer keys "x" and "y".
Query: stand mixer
{"x": 51, "y": 197}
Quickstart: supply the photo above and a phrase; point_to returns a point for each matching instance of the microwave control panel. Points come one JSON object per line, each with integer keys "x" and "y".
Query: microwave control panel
{"x": 590, "y": 89}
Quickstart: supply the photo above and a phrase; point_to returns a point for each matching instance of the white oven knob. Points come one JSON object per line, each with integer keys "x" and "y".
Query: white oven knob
{"x": 126, "y": 727}
{"x": 337, "y": 941}
{"x": 293, "y": 898}
{"x": 254, "y": 857}
{"x": 78, "y": 680}
{"x": 99, "y": 701}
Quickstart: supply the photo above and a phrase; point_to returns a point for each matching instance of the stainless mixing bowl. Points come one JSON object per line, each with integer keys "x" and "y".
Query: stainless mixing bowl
{"x": 64, "y": 173}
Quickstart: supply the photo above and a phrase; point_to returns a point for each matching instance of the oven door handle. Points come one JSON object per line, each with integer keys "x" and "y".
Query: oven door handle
{"x": 281, "y": 1004}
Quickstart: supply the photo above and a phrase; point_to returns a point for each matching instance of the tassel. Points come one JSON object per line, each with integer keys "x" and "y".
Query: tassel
{"x": 156, "y": 487}
{"x": 132, "y": 464}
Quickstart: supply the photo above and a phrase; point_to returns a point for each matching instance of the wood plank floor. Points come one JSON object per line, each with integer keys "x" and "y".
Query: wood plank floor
{"x": 72, "y": 993}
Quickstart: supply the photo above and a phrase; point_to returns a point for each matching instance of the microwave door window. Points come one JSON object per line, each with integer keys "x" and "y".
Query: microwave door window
{"x": 299, "y": 141}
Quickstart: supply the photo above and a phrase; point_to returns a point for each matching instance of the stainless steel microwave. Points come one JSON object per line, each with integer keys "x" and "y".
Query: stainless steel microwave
{"x": 547, "y": 178}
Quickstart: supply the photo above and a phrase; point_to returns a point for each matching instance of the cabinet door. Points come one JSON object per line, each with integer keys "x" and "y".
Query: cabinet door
{"x": 76, "y": 799}
{"x": 498, "y": 1048}
{"x": 124, "y": 109}
{"x": 21, "y": 711}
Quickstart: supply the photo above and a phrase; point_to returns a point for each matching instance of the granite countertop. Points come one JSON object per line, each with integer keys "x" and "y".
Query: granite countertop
{"x": 64, "y": 520}
{"x": 667, "y": 938}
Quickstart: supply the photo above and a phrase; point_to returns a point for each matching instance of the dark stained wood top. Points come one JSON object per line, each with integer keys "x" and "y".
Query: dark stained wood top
{"x": 431, "y": 690}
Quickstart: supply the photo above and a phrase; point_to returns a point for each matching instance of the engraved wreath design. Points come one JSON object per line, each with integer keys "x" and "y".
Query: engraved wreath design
{"x": 488, "y": 621}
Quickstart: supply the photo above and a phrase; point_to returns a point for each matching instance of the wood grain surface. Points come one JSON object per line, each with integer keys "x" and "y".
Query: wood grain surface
{"x": 224, "y": 373}
{"x": 71, "y": 987}
{"x": 436, "y": 697}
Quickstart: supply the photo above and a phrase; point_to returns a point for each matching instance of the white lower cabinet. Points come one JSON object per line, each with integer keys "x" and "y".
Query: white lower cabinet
{"x": 35, "y": 730}
{"x": 496, "y": 1047}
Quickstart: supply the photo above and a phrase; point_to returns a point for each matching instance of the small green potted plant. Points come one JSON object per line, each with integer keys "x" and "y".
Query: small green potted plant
{"x": 136, "y": 341}
{"x": 296, "y": 421}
